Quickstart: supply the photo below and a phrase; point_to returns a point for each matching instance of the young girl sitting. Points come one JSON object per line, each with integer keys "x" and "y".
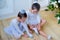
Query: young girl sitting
{"x": 34, "y": 20}
{"x": 18, "y": 26}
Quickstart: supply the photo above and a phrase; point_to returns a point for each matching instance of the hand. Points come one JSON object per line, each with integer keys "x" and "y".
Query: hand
{"x": 22, "y": 33}
{"x": 31, "y": 26}
{"x": 34, "y": 26}
{"x": 25, "y": 35}
{"x": 39, "y": 27}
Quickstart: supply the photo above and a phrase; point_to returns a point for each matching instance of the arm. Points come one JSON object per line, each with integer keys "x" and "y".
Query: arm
{"x": 27, "y": 30}
{"x": 39, "y": 27}
{"x": 31, "y": 26}
{"x": 25, "y": 27}
{"x": 39, "y": 21}
{"x": 17, "y": 28}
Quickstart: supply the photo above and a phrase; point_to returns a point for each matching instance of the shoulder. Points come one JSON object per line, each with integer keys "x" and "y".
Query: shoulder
{"x": 14, "y": 21}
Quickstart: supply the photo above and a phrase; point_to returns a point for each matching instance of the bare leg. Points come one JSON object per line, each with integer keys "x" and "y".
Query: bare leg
{"x": 48, "y": 37}
{"x": 40, "y": 26}
{"x": 43, "y": 34}
{"x": 42, "y": 22}
{"x": 27, "y": 30}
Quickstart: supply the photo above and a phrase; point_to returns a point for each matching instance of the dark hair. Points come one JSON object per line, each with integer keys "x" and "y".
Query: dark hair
{"x": 20, "y": 15}
{"x": 36, "y": 5}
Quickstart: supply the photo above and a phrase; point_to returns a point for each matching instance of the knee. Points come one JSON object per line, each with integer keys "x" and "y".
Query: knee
{"x": 44, "y": 21}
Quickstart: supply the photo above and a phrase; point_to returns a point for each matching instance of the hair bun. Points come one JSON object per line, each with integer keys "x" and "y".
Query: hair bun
{"x": 22, "y": 11}
{"x": 35, "y": 1}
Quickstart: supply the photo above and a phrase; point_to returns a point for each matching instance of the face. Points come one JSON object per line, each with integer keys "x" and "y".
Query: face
{"x": 35, "y": 11}
{"x": 22, "y": 19}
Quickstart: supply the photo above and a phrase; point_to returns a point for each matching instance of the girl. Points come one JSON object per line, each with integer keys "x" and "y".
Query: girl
{"x": 34, "y": 20}
{"x": 18, "y": 26}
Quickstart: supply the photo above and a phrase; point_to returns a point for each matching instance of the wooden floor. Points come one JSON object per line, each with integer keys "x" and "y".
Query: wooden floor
{"x": 50, "y": 28}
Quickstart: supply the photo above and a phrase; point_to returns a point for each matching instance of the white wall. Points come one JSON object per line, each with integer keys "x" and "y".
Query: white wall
{"x": 22, "y": 4}
{"x": 13, "y": 6}
{"x": 7, "y": 9}
{"x": 43, "y": 3}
